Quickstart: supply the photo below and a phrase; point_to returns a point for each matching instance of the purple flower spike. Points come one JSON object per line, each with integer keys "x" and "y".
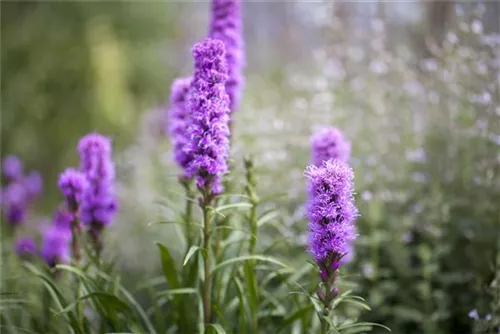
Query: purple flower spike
{"x": 12, "y": 168}
{"x": 55, "y": 246}
{"x": 227, "y": 26}
{"x": 73, "y": 184}
{"x": 98, "y": 204}
{"x": 331, "y": 211}
{"x": 208, "y": 105}
{"x": 25, "y": 246}
{"x": 178, "y": 120}
{"x": 328, "y": 144}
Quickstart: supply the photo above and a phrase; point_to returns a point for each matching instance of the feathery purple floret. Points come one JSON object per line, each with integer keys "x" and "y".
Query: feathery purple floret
{"x": 208, "y": 105}
{"x": 12, "y": 167}
{"x": 98, "y": 205}
{"x": 331, "y": 211}
{"x": 33, "y": 183}
{"x": 55, "y": 245}
{"x": 25, "y": 246}
{"x": 73, "y": 185}
{"x": 327, "y": 144}
{"x": 178, "y": 120}
{"x": 227, "y": 26}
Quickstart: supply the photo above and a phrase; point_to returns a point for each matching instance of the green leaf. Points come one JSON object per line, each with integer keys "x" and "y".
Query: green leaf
{"x": 168, "y": 266}
{"x": 217, "y": 327}
{"x": 361, "y": 324}
{"x": 108, "y": 300}
{"x": 250, "y": 257}
{"x": 295, "y": 316}
{"x": 190, "y": 253}
{"x": 267, "y": 217}
{"x": 220, "y": 209}
{"x": 181, "y": 291}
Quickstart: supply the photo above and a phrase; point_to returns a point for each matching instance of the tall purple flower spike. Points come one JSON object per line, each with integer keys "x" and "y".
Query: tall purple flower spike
{"x": 331, "y": 212}
{"x": 178, "y": 120}
{"x": 330, "y": 143}
{"x": 73, "y": 185}
{"x": 227, "y": 26}
{"x": 98, "y": 204}
{"x": 55, "y": 245}
{"x": 208, "y": 105}
{"x": 327, "y": 144}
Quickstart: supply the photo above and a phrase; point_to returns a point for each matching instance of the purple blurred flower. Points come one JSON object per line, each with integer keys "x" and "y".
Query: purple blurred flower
{"x": 178, "y": 120}
{"x": 15, "y": 203}
{"x": 73, "y": 184}
{"x": 55, "y": 245}
{"x": 327, "y": 144}
{"x": 331, "y": 210}
{"x": 227, "y": 26}
{"x": 33, "y": 183}
{"x": 12, "y": 167}
{"x": 25, "y": 246}
{"x": 208, "y": 105}
{"x": 98, "y": 205}
{"x": 62, "y": 220}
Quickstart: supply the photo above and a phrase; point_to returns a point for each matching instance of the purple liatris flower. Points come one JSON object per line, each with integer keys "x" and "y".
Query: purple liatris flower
{"x": 98, "y": 204}
{"x": 95, "y": 158}
{"x": 12, "y": 168}
{"x": 331, "y": 212}
{"x": 327, "y": 144}
{"x": 25, "y": 246}
{"x": 227, "y": 26}
{"x": 178, "y": 120}
{"x": 73, "y": 184}
{"x": 55, "y": 245}
{"x": 208, "y": 104}
{"x": 62, "y": 220}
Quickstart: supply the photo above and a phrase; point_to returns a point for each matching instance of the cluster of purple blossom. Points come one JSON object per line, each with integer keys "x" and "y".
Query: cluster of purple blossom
{"x": 331, "y": 208}
{"x": 198, "y": 123}
{"x": 200, "y": 106}
{"x": 90, "y": 202}
{"x": 19, "y": 192}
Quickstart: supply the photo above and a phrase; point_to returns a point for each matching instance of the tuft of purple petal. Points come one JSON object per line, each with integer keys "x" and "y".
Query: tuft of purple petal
{"x": 178, "y": 120}
{"x": 327, "y": 144}
{"x": 208, "y": 131}
{"x": 331, "y": 211}
{"x": 227, "y": 26}
{"x": 73, "y": 185}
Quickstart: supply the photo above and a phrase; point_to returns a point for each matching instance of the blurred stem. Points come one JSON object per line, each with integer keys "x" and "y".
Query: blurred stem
{"x": 207, "y": 198}
{"x": 76, "y": 254}
{"x": 250, "y": 190}
{"x": 188, "y": 210}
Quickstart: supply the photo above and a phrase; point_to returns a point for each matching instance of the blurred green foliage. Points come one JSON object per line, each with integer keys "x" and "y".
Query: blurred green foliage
{"x": 75, "y": 67}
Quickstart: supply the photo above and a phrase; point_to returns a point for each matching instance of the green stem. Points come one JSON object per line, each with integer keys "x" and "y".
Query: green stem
{"x": 76, "y": 254}
{"x": 206, "y": 250}
{"x": 188, "y": 210}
